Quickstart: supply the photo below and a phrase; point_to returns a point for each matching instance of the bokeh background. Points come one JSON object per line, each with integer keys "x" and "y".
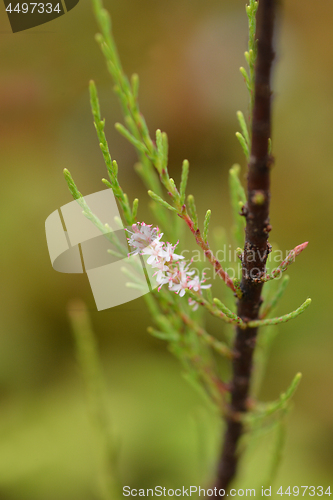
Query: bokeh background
{"x": 187, "y": 54}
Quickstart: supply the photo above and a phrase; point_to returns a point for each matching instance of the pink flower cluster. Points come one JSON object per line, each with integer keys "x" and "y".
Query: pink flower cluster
{"x": 171, "y": 268}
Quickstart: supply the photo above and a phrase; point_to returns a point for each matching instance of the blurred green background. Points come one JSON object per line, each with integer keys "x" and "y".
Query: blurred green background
{"x": 187, "y": 54}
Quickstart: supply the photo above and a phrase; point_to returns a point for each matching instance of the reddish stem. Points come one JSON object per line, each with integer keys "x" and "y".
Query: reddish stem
{"x": 208, "y": 253}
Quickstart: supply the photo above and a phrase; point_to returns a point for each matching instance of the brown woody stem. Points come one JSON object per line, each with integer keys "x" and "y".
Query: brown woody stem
{"x": 256, "y": 248}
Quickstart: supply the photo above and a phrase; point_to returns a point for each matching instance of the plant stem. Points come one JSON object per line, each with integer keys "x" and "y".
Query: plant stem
{"x": 88, "y": 357}
{"x": 257, "y": 248}
{"x": 207, "y": 251}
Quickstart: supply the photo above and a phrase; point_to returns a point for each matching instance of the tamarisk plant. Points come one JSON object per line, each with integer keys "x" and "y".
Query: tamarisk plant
{"x": 174, "y": 317}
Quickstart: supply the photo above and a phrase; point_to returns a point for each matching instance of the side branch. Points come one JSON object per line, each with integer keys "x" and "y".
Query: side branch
{"x": 208, "y": 253}
{"x": 284, "y": 265}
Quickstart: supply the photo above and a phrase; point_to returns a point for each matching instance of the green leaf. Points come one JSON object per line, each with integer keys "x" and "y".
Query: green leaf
{"x": 192, "y": 210}
{"x": 94, "y": 101}
{"x": 246, "y": 77}
{"x": 71, "y": 185}
{"x": 238, "y": 198}
{"x": 216, "y": 311}
{"x": 136, "y": 143}
{"x": 136, "y": 286}
{"x": 135, "y": 208}
{"x": 174, "y": 192}
{"x": 242, "y": 142}
{"x": 162, "y": 151}
{"x": 236, "y": 186}
{"x": 243, "y": 126}
{"x": 165, "y": 325}
{"x": 209, "y": 295}
{"x": 135, "y": 85}
{"x": 107, "y": 183}
{"x": 281, "y": 319}
{"x": 206, "y": 225}
{"x": 183, "y": 182}
{"x": 267, "y": 409}
{"x": 225, "y": 310}
{"x": 271, "y": 305}
{"x": 159, "y": 200}
{"x": 174, "y": 337}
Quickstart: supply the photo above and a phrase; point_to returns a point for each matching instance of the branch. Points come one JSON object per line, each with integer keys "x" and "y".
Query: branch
{"x": 281, "y": 319}
{"x": 256, "y": 250}
{"x": 207, "y": 251}
{"x": 216, "y": 344}
{"x": 271, "y": 305}
{"x": 217, "y": 309}
{"x": 284, "y": 264}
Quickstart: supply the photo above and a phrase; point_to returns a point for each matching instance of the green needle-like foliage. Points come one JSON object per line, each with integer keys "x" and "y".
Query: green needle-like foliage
{"x": 172, "y": 336}
{"x": 243, "y": 137}
{"x": 192, "y": 210}
{"x": 244, "y": 129}
{"x": 155, "y": 155}
{"x": 111, "y": 166}
{"x": 251, "y": 55}
{"x": 244, "y": 144}
{"x": 281, "y": 319}
{"x": 269, "y": 306}
{"x": 157, "y": 198}
{"x": 206, "y": 225}
{"x": 174, "y": 316}
{"x": 273, "y": 416}
{"x": 217, "y": 309}
{"x": 238, "y": 199}
{"x": 90, "y": 364}
{"x": 153, "y": 169}
{"x": 183, "y": 182}
{"x": 263, "y": 411}
{"x": 225, "y": 310}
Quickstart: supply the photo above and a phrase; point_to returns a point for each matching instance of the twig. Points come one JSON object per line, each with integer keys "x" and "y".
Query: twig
{"x": 207, "y": 251}
{"x": 256, "y": 248}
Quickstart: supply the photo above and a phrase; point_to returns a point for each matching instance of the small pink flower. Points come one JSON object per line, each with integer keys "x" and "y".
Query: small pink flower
{"x": 154, "y": 250}
{"x": 179, "y": 278}
{"x": 197, "y": 284}
{"x": 171, "y": 268}
{"x": 142, "y": 236}
{"x": 169, "y": 253}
